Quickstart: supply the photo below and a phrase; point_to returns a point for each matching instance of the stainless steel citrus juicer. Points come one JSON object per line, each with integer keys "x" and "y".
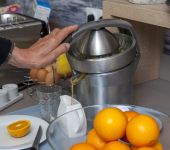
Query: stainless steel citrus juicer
{"x": 104, "y": 61}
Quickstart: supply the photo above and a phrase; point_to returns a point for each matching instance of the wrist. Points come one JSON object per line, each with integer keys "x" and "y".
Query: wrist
{"x": 16, "y": 58}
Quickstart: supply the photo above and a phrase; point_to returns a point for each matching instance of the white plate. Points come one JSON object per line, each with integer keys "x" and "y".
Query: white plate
{"x": 8, "y": 142}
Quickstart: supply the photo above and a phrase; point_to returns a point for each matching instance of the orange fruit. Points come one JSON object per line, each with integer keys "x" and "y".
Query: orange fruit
{"x": 116, "y": 145}
{"x": 49, "y": 68}
{"x": 145, "y": 148}
{"x": 94, "y": 140}
{"x": 131, "y": 114}
{"x": 82, "y": 146}
{"x": 142, "y": 130}
{"x": 19, "y": 128}
{"x": 158, "y": 146}
{"x": 41, "y": 75}
{"x": 33, "y": 73}
{"x": 133, "y": 148}
{"x": 110, "y": 124}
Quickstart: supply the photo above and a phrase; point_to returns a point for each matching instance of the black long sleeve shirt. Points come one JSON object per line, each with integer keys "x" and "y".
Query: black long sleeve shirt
{"x": 5, "y": 47}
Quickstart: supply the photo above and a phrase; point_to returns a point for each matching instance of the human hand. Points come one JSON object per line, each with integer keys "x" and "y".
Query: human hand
{"x": 44, "y": 51}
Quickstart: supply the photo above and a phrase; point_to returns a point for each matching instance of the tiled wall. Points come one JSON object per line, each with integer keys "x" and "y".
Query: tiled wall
{"x": 64, "y": 12}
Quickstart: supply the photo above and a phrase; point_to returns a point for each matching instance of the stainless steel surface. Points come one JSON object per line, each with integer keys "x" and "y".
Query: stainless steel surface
{"x": 7, "y": 19}
{"x": 126, "y": 53}
{"x": 23, "y": 30}
{"x": 37, "y": 139}
{"x": 108, "y": 73}
{"x": 96, "y": 43}
{"x": 107, "y": 88}
{"x": 91, "y": 52}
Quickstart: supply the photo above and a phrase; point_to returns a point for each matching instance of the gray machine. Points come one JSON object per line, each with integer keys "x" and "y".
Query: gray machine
{"x": 21, "y": 29}
{"x": 103, "y": 62}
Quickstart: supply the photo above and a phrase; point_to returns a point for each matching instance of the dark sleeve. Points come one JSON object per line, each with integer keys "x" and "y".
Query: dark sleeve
{"x": 5, "y": 47}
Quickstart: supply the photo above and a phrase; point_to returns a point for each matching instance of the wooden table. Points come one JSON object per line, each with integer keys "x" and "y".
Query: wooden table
{"x": 150, "y": 23}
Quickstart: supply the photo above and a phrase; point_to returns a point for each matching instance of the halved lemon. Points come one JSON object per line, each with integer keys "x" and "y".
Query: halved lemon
{"x": 62, "y": 65}
{"x": 19, "y": 128}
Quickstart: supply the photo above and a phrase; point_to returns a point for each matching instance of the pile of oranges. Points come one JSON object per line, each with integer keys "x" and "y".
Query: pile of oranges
{"x": 52, "y": 73}
{"x": 114, "y": 129}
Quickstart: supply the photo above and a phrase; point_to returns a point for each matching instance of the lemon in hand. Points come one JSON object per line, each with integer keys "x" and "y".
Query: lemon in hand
{"x": 62, "y": 65}
{"x": 19, "y": 128}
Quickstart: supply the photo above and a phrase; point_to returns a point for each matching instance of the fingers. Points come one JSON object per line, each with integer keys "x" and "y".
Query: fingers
{"x": 64, "y": 33}
{"x": 46, "y": 38}
{"x": 51, "y": 35}
{"x": 52, "y": 41}
{"x": 60, "y": 49}
{"x": 51, "y": 57}
{"x": 46, "y": 50}
{"x": 46, "y": 47}
{"x": 37, "y": 42}
{"x": 58, "y": 36}
{"x": 55, "y": 31}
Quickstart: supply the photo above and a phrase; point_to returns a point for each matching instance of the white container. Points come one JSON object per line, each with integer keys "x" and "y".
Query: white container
{"x": 3, "y": 97}
{"x": 42, "y": 10}
{"x": 74, "y": 124}
{"x": 12, "y": 90}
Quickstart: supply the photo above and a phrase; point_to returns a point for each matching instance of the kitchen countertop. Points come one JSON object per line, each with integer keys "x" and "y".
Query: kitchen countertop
{"x": 154, "y": 94}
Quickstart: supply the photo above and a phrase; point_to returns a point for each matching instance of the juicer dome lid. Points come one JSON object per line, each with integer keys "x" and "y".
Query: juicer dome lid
{"x": 119, "y": 57}
{"x": 96, "y": 43}
{"x": 94, "y": 49}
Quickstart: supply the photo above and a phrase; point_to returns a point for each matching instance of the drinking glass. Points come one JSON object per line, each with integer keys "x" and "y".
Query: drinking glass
{"x": 49, "y": 99}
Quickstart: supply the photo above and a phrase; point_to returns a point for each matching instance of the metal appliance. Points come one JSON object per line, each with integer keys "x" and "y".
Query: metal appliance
{"x": 103, "y": 62}
{"x": 21, "y": 29}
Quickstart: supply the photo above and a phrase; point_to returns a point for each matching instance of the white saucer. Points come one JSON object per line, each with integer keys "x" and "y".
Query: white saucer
{"x": 12, "y": 101}
{"x": 8, "y": 142}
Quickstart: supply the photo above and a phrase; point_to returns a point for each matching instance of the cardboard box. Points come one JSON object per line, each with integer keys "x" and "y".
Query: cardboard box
{"x": 15, "y": 8}
{"x": 42, "y": 10}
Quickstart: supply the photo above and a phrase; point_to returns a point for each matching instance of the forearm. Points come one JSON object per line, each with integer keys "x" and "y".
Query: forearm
{"x": 10, "y": 54}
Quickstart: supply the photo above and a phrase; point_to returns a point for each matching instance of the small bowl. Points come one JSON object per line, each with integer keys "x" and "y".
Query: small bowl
{"x": 59, "y": 140}
{"x": 19, "y": 128}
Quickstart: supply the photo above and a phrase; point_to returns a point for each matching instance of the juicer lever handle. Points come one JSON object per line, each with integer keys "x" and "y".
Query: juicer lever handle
{"x": 95, "y": 25}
